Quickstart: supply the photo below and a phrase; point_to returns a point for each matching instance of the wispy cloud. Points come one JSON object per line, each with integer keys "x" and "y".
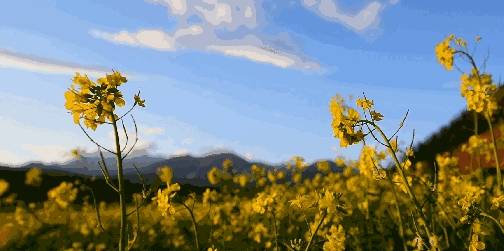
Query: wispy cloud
{"x": 155, "y": 39}
{"x": 153, "y": 131}
{"x": 365, "y": 18}
{"x": 14, "y": 60}
{"x": 229, "y": 27}
{"x": 48, "y": 153}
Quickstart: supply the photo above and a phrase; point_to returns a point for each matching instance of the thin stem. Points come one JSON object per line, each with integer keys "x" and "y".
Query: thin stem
{"x": 471, "y": 61}
{"x": 137, "y": 230}
{"x": 396, "y": 204}
{"x": 122, "y": 192}
{"x": 96, "y": 143}
{"x": 275, "y": 229}
{"x": 105, "y": 172}
{"x": 478, "y": 159}
{"x": 494, "y": 220}
{"x": 127, "y": 112}
{"x": 324, "y": 214}
{"x": 194, "y": 224}
{"x": 136, "y": 138}
{"x": 142, "y": 180}
{"x": 401, "y": 173}
{"x": 98, "y": 218}
{"x": 400, "y": 125}
{"x": 494, "y": 148}
{"x": 125, "y": 134}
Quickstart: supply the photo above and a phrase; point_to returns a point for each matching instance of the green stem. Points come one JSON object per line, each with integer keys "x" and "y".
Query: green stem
{"x": 494, "y": 148}
{"x": 324, "y": 214}
{"x": 478, "y": 158}
{"x": 122, "y": 192}
{"x": 396, "y": 204}
{"x": 403, "y": 176}
{"x": 194, "y": 225}
{"x": 494, "y": 220}
{"x": 276, "y": 230}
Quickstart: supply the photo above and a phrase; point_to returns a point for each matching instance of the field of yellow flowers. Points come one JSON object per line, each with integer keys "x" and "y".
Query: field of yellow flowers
{"x": 384, "y": 200}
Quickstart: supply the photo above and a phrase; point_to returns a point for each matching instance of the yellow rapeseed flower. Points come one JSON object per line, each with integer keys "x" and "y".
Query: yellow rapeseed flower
{"x": 164, "y": 197}
{"x": 335, "y": 239}
{"x": 344, "y": 119}
{"x": 476, "y": 244}
{"x": 4, "y": 186}
{"x": 95, "y": 102}
{"x": 63, "y": 195}
{"x": 214, "y": 176}
{"x": 478, "y": 90}
{"x": 165, "y": 174}
{"x": 364, "y": 103}
{"x": 33, "y": 177}
{"x": 444, "y": 52}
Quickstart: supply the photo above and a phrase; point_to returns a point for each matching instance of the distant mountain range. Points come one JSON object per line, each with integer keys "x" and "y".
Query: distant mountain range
{"x": 187, "y": 169}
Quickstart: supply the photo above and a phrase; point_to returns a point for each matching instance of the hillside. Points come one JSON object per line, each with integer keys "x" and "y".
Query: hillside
{"x": 449, "y": 137}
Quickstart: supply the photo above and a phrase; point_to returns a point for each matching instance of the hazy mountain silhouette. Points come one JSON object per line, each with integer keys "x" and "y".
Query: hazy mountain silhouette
{"x": 187, "y": 169}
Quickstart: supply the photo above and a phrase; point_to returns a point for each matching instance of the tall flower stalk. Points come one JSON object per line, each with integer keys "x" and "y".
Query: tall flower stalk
{"x": 476, "y": 87}
{"x": 94, "y": 104}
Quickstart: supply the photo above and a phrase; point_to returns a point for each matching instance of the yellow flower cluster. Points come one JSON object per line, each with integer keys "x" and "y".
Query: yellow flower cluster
{"x": 369, "y": 161}
{"x": 264, "y": 202}
{"x": 95, "y": 102}
{"x": 335, "y": 239}
{"x": 302, "y": 202}
{"x": 469, "y": 203}
{"x": 478, "y": 90}
{"x": 241, "y": 179}
{"x": 217, "y": 175}
{"x": 327, "y": 202}
{"x": 164, "y": 197}
{"x": 498, "y": 202}
{"x": 344, "y": 121}
{"x": 364, "y": 103}
{"x": 165, "y": 174}
{"x": 445, "y": 160}
{"x": 258, "y": 232}
{"x": 444, "y": 52}
{"x": 323, "y": 166}
{"x": 33, "y": 177}
{"x": 4, "y": 186}
{"x": 476, "y": 244}
{"x": 63, "y": 195}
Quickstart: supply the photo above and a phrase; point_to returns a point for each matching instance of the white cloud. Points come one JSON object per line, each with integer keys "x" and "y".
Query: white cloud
{"x": 48, "y": 153}
{"x": 153, "y": 131}
{"x": 10, "y": 158}
{"x": 177, "y": 7}
{"x": 248, "y": 12}
{"x": 255, "y": 54}
{"x": 13, "y": 60}
{"x": 180, "y": 152}
{"x": 216, "y": 14}
{"x": 216, "y": 31}
{"x": 365, "y": 18}
{"x": 154, "y": 39}
{"x": 228, "y": 14}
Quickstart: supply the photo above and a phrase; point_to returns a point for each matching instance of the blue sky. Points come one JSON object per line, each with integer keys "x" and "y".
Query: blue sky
{"x": 254, "y": 77}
